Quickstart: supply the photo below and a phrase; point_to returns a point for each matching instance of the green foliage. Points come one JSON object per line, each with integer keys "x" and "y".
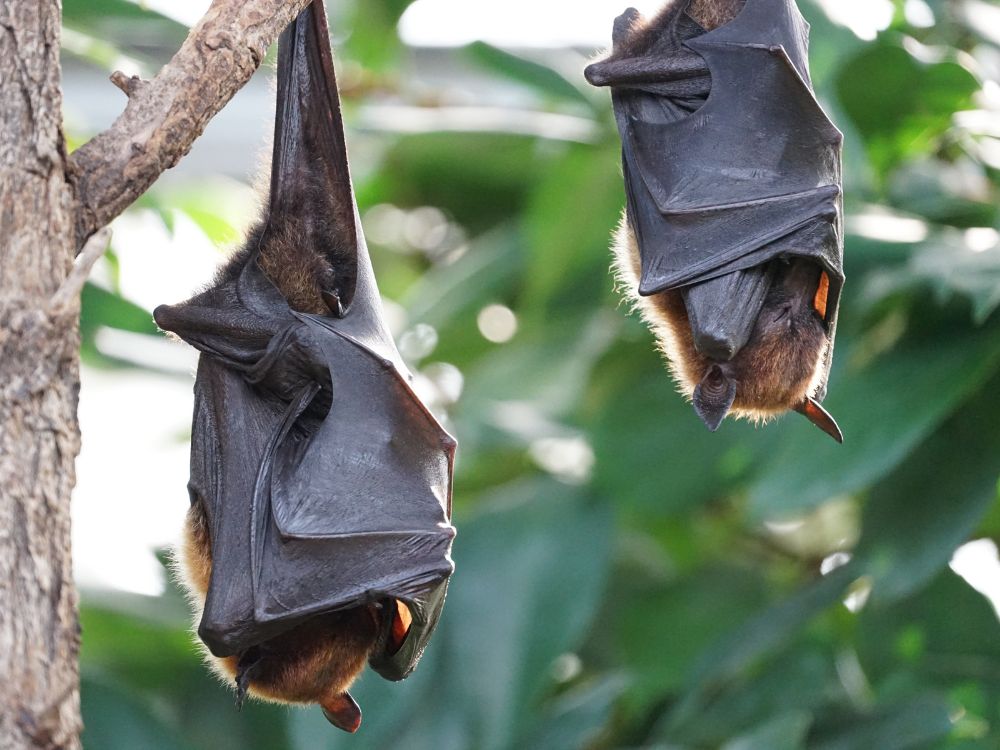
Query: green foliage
{"x": 624, "y": 578}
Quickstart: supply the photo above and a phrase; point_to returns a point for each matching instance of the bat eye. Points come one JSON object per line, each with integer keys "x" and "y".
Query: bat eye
{"x": 402, "y": 618}
{"x": 822, "y": 292}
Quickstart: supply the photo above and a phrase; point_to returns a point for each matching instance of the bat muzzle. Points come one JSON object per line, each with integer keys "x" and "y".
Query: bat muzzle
{"x": 722, "y": 311}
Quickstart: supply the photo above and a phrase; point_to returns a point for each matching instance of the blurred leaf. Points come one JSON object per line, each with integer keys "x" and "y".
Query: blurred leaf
{"x": 100, "y": 307}
{"x": 374, "y": 40}
{"x": 948, "y": 632}
{"x": 957, "y": 192}
{"x": 576, "y": 719}
{"x": 702, "y": 607}
{"x": 920, "y": 514}
{"x": 567, "y": 269}
{"x": 482, "y": 178}
{"x": 108, "y": 19}
{"x": 759, "y": 635}
{"x": 117, "y": 719}
{"x": 900, "y": 105}
{"x": 541, "y": 78}
{"x": 786, "y": 732}
{"x": 799, "y": 682}
{"x": 909, "y": 726}
{"x": 949, "y": 266}
{"x": 881, "y": 422}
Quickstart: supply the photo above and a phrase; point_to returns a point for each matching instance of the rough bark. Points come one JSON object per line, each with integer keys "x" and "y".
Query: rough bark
{"x": 39, "y": 382}
{"x": 49, "y": 205}
{"x": 164, "y": 116}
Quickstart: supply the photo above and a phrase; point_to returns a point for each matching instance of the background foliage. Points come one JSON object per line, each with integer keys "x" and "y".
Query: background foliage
{"x": 624, "y": 578}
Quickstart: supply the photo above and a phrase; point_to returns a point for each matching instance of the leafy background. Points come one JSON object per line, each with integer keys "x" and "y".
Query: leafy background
{"x": 624, "y": 578}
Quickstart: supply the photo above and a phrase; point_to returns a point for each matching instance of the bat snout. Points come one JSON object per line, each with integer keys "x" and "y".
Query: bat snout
{"x": 716, "y": 345}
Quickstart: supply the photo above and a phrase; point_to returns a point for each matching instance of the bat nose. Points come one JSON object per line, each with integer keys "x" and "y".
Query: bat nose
{"x": 716, "y": 345}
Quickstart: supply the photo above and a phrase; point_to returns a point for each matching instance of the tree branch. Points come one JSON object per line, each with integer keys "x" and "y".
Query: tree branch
{"x": 164, "y": 116}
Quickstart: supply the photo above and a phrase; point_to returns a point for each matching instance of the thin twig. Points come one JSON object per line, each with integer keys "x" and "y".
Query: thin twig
{"x": 164, "y": 116}
{"x": 67, "y": 296}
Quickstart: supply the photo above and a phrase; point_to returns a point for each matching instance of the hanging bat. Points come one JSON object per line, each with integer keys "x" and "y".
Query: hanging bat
{"x": 731, "y": 243}
{"x": 318, "y": 537}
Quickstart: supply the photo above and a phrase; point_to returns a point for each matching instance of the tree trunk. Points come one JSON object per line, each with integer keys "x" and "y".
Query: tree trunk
{"x": 39, "y": 384}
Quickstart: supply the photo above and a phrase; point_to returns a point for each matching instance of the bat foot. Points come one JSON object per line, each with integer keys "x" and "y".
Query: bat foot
{"x": 343, "y": 712}
{"x": 820, "y": 417}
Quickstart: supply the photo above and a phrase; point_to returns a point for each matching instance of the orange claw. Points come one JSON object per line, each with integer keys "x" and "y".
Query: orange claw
{"x": 822, "y": 291}
{"x": 401, "y": 621}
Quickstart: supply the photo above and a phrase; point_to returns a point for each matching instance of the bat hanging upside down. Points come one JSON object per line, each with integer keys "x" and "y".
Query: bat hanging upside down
{"x": 731, "y": 244}
{"x": 318, "y": 538}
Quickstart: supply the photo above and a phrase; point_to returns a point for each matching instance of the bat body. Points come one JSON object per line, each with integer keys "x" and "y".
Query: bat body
{"x": 318, "y": 538}
{"x": 732, "y": 242}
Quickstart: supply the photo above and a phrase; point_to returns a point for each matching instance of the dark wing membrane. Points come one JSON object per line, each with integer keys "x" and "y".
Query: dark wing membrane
{"x": 425, "y": 607}
{"x": 225, "y": 455}
{"x": 769, "y": 169}
{"x": 357, "y": 507}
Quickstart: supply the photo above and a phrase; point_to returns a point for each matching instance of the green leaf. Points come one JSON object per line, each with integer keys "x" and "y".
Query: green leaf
{"x": 103, "y": 308}
{"x": 919, "y": 515}
{"x": 880, "y": 430}
{"x": 900, "y": 105}
{"x": 117, "y": 719}
{"x": 786, "y": 732}
{"x": 541, "y": 78}
{"x": 760, "y": 635}
{"x": 696, "y": 611}
{"x": 949, "y": 266}
{"x": 576, "y": 719}
{"x": 912, "y": 725}
{"x": 568, "y": 263}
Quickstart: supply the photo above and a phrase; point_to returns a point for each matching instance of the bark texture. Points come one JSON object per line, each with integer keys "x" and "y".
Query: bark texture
{"x": 165, "y": 116}
{"x": 39, "y": 382}
{"x": 49, "y": 206}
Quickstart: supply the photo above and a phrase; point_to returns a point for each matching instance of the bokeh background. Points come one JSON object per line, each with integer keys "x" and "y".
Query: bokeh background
{"x": 624, "y": 578}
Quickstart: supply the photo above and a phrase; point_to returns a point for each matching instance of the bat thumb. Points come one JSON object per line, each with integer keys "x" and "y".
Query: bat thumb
{"x": 343, "y": 712}
{"x": 713, "y": 397}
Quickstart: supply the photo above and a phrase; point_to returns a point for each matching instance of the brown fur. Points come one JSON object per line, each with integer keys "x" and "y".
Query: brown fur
{"x": 645, "y": 32}
{"x": 711, "y": 14}
{"x": 314, "y": 662}
{"x": 294, "y": 267}
{"x": 774, "y": 372}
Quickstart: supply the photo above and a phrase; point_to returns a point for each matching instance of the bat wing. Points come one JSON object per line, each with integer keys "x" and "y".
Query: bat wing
{"x": 354, "y": 507}
{"x": 751, "y": 175}
{"x": 325, "y": 481}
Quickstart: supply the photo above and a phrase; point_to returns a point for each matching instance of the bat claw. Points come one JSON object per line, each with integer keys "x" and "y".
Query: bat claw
{"x": 811, "y": 410}
{"x": 333, "y": 302}
{"x": 343, "y": 712}
{"x": 244, "y": 673}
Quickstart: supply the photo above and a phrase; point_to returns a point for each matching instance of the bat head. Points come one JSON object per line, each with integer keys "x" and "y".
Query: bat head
{"x": 751, "y": 344}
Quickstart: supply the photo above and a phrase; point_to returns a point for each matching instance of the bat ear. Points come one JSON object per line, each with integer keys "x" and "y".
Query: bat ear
{"x": 713, "y": 397}
{"x": 343, "y": 712}
{"x": 820, "y": 417}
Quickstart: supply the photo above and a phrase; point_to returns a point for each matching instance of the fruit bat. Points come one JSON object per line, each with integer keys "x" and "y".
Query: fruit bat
{"x": 318, "y": 536}
{"x": 731, "y": 243}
